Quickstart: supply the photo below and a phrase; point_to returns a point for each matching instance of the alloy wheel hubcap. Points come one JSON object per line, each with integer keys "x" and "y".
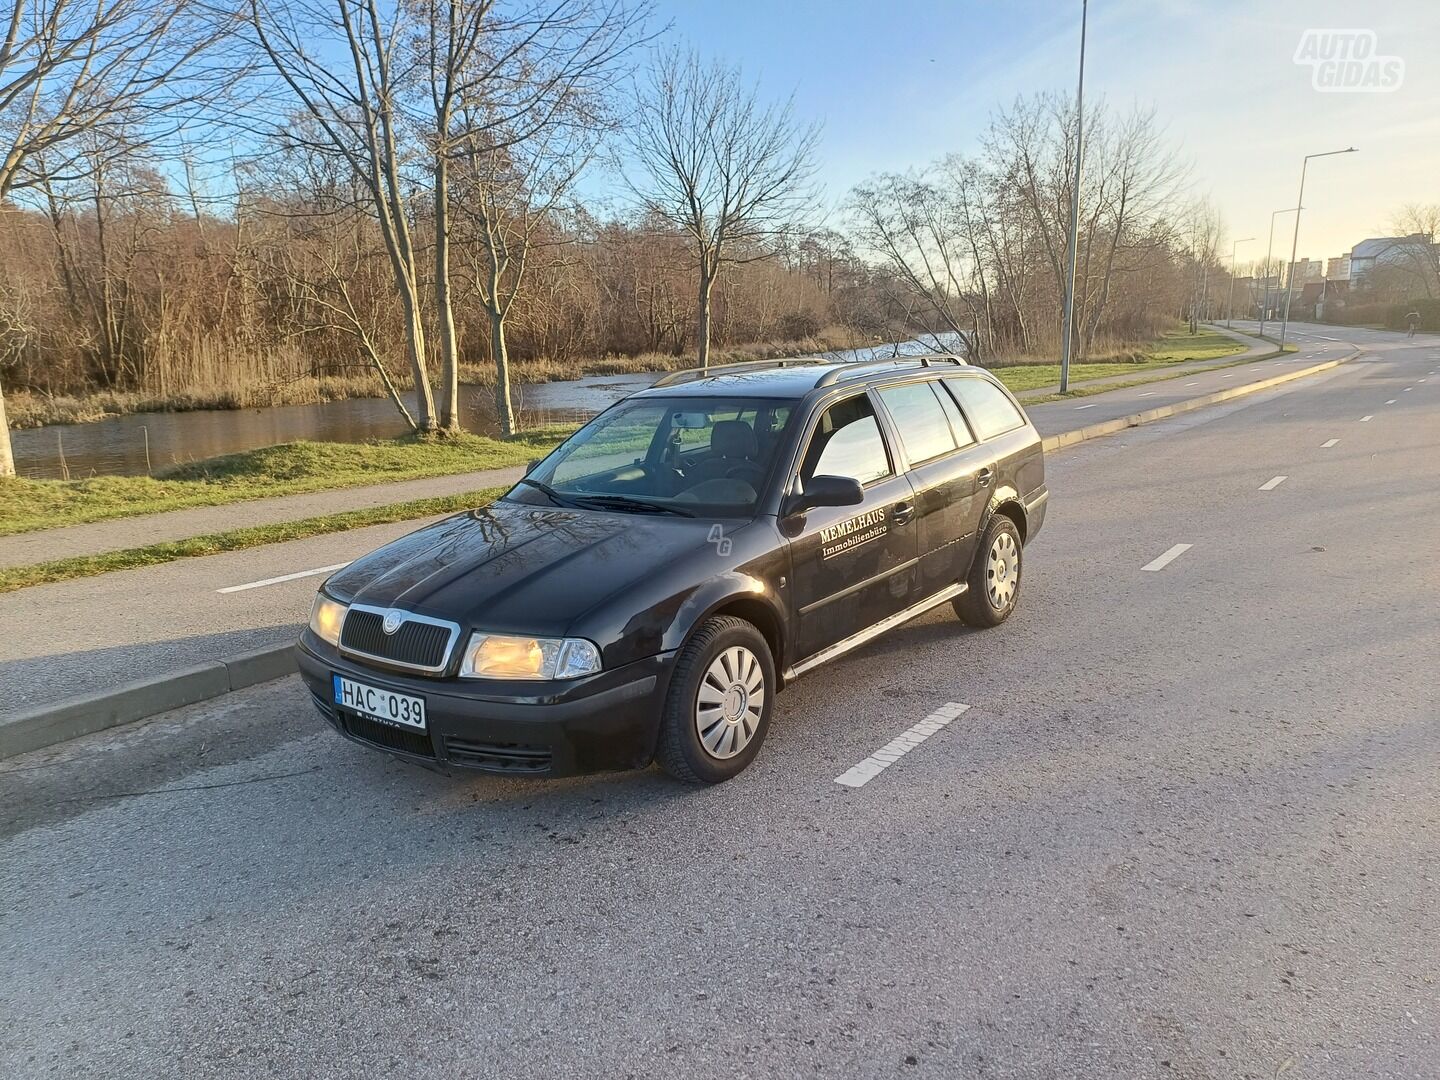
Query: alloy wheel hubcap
{"x": 1002, "y": 575}
{"x": 730, "y": 702}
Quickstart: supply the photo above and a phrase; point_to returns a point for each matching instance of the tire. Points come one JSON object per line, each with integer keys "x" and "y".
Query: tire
{"x": 709, "y": 739}
{"x": 990, "y": 600}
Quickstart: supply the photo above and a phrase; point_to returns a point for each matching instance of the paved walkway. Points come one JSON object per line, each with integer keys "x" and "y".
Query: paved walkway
{"x": 117, "y": 535}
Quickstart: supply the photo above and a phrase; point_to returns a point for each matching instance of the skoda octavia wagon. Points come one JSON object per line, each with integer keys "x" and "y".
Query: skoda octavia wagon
{"x": 647, "y": 589}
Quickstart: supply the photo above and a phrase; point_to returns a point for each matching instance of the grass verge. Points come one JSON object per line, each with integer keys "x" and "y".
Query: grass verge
{"x": 22, "y": 577}
{"x": 1178, "y": 347}
{"x": 1160, "y": 376}
{"x": 287, "y": 469}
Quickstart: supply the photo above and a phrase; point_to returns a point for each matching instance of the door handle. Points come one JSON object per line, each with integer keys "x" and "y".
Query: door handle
{"x": 903, "y": 513}
{"x": 984, "y": 477}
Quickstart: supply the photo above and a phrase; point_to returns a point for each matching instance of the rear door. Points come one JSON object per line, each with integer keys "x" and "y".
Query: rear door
{"x": 853, "y": 565}
{"x": 944, "y": 467}
{"x": 1014, "y": 463}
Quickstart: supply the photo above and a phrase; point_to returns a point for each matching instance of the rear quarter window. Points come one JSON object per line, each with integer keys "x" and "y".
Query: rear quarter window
{"x": 986, "y": 406}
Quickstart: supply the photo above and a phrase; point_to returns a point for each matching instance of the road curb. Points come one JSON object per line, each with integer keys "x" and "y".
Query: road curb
{"x": 86, "y": 714}
{"x": 1163, "y": 412}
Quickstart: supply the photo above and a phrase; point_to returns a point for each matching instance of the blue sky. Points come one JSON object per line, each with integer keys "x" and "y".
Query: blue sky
{"x": 901, "y": 82}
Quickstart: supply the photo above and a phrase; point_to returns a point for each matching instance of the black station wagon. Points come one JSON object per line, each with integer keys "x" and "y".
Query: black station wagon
{"x": 650, "y": 586}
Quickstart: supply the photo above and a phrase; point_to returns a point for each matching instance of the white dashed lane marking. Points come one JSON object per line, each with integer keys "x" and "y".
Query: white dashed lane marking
{"x": 1090, "y": 406}
{"x": 1390, "y": 402}
{"x": 1407, "y": 389}
{"x": 1273, "y": 483}
{"x": 1328, "y": 443}
{"x": 861, "y": 774}
{"x": 1166, "y": 559}
{"x": 287, "y": 577}
{"x": 1367, "y": 419}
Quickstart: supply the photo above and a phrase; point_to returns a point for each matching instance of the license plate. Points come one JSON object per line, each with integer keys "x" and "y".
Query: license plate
{"x": 388, "y": 707}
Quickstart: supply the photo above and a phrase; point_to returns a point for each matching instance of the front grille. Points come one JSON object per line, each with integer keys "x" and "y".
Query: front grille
{"x": 384, "y": 735}
{"x": 417, "y": 644}
{"x": 498, "y": 757}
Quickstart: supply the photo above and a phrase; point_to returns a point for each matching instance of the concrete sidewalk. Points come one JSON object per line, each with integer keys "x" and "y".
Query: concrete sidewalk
{"x": 119, "y": 534}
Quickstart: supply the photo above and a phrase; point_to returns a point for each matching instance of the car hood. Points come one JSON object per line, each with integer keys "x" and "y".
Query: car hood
{"x": 512, "y": 567}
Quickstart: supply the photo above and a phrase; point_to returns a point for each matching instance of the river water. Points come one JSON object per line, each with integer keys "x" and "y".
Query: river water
{"x": 142, "y": 443}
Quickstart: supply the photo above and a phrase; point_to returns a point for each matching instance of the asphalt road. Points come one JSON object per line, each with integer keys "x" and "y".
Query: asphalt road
{"x": 91, "y": 634}
{"x": 1188, "y": 827}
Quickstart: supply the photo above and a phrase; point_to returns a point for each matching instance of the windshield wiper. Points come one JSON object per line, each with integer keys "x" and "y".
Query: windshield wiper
{"x": 545, "y": 489}
{"x": 624, "y": 502}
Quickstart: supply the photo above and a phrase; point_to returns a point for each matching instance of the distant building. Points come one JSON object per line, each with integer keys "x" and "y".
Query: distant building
{"x": 1378, "y": 251}
{"x": 1304, "y": 271}
{"x": 1338, "y": 268}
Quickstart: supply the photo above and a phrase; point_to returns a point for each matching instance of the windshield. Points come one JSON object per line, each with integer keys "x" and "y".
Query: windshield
{"x": 683, "y": 455}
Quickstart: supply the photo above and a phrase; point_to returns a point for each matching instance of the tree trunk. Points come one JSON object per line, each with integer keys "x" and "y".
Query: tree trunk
{"x": 444, "y": 307}
{"x": 504, "y": 407}
{"x": 702, "y": 330}
{"x": 7, "y": 456}
{"x": 415, "y": 346}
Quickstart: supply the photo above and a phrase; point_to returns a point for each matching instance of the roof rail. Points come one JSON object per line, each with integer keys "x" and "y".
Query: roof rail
{"x": 852, "y": 370}
{"x": 692, "y": 374}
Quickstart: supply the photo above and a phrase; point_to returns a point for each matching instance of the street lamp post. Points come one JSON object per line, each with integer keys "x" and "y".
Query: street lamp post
{"x": 1230, "y": 303}
{"x": 1295, "y": 239}
{"x": 1069, "y": 321}
{"x": 1269, "y": 249}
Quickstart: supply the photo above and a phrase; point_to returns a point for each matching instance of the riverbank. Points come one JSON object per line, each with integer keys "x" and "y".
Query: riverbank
{"x": 28, "y": 410}
{"x": 288, "y": 469}
{"x": 28, "y": 505}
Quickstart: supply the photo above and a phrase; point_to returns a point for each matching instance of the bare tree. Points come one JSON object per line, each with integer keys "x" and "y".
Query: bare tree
{"x": 1417, "y": 254}
{"x": 516, "y": 103}
{"x": 95, "y": 72}
{"x": 357, "y": 114}
{"x": 733, "y": 173}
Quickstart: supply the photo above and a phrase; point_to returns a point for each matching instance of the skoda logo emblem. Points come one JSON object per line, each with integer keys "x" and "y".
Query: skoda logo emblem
{"x": 393, "y": 620}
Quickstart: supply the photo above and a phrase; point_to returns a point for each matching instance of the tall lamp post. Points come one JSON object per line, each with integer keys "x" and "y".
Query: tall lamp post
{"x": 1074, "y": 207}
{"x": 1230, "y": 303}
{"x": 1269, "y": 250}
{"x": 1295, "y": 239}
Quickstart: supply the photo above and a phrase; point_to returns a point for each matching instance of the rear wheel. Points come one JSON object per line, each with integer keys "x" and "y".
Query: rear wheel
{"x": 994, "y": 579}
{"x": 717, "y": 711}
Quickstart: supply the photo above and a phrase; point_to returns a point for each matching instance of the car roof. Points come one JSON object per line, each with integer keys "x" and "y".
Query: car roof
{"x": 792, "y": 378}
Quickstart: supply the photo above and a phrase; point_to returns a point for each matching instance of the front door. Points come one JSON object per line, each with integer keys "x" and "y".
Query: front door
{"x": 853, "y": 565}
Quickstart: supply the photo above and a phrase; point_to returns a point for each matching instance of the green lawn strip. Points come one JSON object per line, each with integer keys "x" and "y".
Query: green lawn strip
{"x": 1171, "y": 349}
{"x": 287, "y": 469}
{"x": 21, "y": 577}
{"x": 1158, "y": 376}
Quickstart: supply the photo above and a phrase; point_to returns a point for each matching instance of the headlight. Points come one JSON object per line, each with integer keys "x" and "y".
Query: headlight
{"x": 326, "y": 618}
{"x": 500, "y": 656}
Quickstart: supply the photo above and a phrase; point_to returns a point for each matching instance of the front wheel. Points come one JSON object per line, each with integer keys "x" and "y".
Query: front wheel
{"x": 718, "y": 707}
{"x": 994, "y": 578}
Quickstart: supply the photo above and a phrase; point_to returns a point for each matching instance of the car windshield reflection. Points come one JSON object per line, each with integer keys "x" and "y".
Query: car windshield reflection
{"x": 684, "y": 456}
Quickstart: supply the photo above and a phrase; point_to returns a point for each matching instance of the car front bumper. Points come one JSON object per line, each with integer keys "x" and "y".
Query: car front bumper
{"x": 600, "y": 723}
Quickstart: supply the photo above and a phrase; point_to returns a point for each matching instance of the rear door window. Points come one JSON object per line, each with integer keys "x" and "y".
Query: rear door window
{"x": 988, "y": 409}
{"x": 920, "y": 420}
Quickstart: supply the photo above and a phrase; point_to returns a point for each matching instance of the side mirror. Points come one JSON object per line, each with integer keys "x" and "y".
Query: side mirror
{"x": 826, "y": 491}
{"x": 530, "y": 465}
